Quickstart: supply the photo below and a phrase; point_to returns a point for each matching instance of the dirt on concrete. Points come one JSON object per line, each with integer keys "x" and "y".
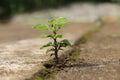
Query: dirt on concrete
{"x": 101, "y": 54}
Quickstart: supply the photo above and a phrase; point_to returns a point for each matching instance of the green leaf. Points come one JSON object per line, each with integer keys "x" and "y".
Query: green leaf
{"x": 41, "y": 26}
{"x": 58, "y": 36}
{"x": 47, "y": 35}
{"x": 44, "y": 35}
{"x": 61, "y": 25}
{"x": 47, "y": 45}
{"x": 64, "y": 43}
{"x": 61, "y": 21}
{"x": 53, "y": 21}
{"x": 52, "y": 28}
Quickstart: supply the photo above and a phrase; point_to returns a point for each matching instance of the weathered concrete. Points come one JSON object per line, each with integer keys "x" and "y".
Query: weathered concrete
{"x": 101, "y": 55}
{"x": 21, "y": 59}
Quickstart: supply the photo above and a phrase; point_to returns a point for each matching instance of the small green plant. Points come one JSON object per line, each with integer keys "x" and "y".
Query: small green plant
{"x": 100, "y": 21}
{"x": 54, "y": 26}
{"x": 115, "y": 35}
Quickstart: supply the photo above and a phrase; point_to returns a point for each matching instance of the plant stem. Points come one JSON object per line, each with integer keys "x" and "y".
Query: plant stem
{"x": 56, "y": 50}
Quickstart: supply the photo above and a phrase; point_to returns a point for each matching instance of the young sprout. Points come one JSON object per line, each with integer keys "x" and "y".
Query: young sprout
{"x": 55, "y": 45}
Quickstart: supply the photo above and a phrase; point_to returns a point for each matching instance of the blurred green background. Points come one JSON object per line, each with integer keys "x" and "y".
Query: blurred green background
{"x": 10, "y": 7}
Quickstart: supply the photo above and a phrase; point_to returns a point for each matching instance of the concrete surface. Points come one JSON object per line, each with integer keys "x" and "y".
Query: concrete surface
{"x": 20, "y": 59}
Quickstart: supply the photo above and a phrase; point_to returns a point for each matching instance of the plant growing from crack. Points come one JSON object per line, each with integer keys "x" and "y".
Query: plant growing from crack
{"x": 55, "y": 46}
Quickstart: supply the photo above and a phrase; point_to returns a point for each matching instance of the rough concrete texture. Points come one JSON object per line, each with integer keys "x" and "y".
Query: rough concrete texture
{"x": 101, "y": 54}
{"x": 21, "y": 59}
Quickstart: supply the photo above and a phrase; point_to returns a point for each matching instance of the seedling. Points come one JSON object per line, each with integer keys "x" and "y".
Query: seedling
{"x": 55, "y": 46}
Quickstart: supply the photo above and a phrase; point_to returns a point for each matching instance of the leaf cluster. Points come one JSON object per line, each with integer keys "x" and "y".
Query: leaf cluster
{"x": 55, "y": 24}
{"x": 53, "y": 27}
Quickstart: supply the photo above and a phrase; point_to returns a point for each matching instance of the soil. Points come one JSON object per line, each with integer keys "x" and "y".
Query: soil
{"x": 101, "y": 54}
